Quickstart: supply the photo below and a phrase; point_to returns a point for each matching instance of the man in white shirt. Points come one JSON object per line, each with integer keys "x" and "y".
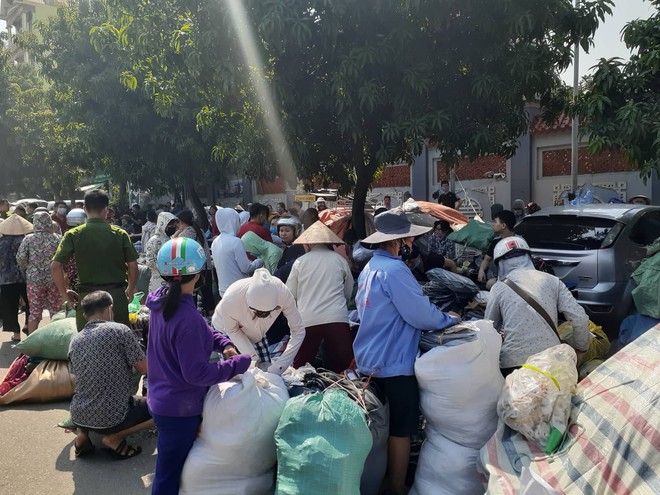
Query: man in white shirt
{"x": 247, "y": 311}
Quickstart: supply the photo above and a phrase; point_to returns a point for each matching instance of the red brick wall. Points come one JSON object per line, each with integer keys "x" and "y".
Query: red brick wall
{"x": 278, "y": 186}
{"x": 394, "y": 176}
{"x": 558, "y": 162}
{"x": 475, "y": 169}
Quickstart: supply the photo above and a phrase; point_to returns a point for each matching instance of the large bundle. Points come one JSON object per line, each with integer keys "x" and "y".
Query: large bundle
{"x": 475, "y": 234}
{"x": 459, "y": 384}
{"x": 235, "y": 453}
{"x": 50, "y": 381}
{"x": 322, "y": 443}
{"x": 50, "y": 341}
{"x": 536, "y": 400}
{"x": 449, "y": 291}
{"x": 612, "y": 443}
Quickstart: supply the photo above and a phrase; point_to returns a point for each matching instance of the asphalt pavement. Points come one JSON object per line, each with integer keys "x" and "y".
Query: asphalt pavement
{"x": 38, "y": 458}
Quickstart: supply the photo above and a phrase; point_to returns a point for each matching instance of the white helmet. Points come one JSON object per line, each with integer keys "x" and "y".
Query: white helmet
{"x": 76, "y": 217}
{"x": 508, "y": 245}
{"x": 291, "y": 222}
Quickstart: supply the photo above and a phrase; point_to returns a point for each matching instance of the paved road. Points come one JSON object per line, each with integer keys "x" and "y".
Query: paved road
{"x": 37, "y": 457}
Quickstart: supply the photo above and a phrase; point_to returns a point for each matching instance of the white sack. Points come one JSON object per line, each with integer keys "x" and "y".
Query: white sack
{"x": 235, "y": 453}
{"x": 459, "y": 385}
{"x": 446, "y": 468}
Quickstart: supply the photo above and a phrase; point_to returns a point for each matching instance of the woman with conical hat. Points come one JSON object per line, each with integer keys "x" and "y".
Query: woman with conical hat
{"x": 321, "y": 282}
{"x": 12, "y": 278}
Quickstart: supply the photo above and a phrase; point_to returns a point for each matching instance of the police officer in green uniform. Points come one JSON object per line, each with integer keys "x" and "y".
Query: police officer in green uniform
{"x": 104, "y": 257}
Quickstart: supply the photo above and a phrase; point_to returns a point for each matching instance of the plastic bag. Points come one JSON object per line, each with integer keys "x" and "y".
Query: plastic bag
{"x": 536, "y": 399}
{"x": 449, "y": 291}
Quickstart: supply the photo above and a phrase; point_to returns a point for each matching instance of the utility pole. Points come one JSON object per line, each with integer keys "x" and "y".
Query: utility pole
{"x": 575, "y": 123}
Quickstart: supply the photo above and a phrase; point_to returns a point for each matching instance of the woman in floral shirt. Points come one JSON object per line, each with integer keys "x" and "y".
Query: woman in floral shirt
{"x": 34, "y": 256}
{"x": 438, "y": 242}
{"x": 12, "y": 279}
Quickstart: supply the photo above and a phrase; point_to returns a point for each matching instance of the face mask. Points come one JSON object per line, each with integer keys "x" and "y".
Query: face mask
{"x": 61, "y": 211}
{"x": 405, "y": 250}
{"x": 273, "y": 230}
{"x": 170, "y": 231}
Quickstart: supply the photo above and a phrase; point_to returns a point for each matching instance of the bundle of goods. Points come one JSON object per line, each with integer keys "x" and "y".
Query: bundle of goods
{"x": 611, "y": 444}
{"x": 419, "y": 211}
{"x": 647, "y": 277}
{"x": 42, "y": 373}
{"x": 322, "y": 443}
{"x": 459, "y": 385}
{"x": 536, "y": 400}
{"x": 449, "y": 291}
{"x": 599, "y": 346}
{"x": 373, "y": 408}
{"x": 476, "y": 234}
{"x": 235, "y": 453}
{"x": 634, "y": 326}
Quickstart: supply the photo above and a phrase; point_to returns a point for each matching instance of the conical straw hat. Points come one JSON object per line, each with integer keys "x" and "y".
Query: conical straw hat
{"x": 15, "y": 225}
{"x": 318, "y": 233}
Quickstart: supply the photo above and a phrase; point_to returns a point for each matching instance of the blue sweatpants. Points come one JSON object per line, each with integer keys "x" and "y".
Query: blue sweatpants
{"x": 175, "y": 439}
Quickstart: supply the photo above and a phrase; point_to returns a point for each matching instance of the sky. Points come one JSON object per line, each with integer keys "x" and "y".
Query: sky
{"x": 607, "y": 42}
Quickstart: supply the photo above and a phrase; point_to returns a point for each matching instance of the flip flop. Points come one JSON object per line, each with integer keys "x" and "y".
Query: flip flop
{"x": 85, "y": 449}
{"x": 124, "y": 451}
{"x": 15, "y": 340}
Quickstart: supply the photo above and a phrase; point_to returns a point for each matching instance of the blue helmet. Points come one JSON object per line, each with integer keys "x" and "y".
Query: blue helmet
{"x": 181, "y": 256}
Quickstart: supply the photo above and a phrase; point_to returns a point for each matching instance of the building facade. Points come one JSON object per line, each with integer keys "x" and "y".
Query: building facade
{"x": 20, "y": 17}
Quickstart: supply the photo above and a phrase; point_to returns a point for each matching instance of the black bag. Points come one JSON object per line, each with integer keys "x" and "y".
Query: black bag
{"x": 449, "y": 291}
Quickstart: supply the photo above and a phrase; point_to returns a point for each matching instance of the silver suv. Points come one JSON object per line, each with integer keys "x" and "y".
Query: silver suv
{"x": 594, "y": 249}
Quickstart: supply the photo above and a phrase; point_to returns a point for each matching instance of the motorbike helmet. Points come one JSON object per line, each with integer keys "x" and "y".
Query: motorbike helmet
{"x": 510, "y": 247}
{"x": 76, "y": 217}
{"x": 180, "y": 256}
{"x": 291, "y": 222}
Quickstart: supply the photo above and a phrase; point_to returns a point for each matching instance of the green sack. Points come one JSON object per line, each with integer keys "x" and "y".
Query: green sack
{"x": 475, "y": 234}
{"x": 647, "y": 293}
{"x": 322, "y": 443}
{"x": 60, "y": 315}
{"x": 50, "y": 341}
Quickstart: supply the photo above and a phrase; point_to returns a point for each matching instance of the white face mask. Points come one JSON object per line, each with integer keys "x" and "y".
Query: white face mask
{"x": 61, "y": 211}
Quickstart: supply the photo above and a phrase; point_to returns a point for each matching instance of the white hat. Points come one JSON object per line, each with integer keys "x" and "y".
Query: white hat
{"x": 262, "y": 293}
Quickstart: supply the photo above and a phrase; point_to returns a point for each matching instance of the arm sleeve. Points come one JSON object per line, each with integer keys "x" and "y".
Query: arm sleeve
{"x": 225, "y": 323}
{"x": 292, "y": 281}
{"x": 220, "y": 341}
{"x": 134, "y": 352}
{"x": 348, "y": 282}
{"x": 574, "y": 313}
{"x": 64, "y": 250}
{"x": 152, "y": 254}
{"x": 23, "y": 254}
{"x": 411, "y": 303}
{"x": 196, "y": 368}
{"x": 243, "y": 262}
{"x": 130, "y": 254}
{"x": 493, "y": 309}
{"x": 297, "y": 328}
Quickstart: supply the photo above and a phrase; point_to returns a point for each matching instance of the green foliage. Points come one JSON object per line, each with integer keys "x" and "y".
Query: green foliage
{"x": 621, "y": 102}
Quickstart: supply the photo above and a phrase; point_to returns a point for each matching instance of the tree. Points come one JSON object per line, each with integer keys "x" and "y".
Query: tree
{"x": 363, "y": 84}
{"x": 621, "y": 102}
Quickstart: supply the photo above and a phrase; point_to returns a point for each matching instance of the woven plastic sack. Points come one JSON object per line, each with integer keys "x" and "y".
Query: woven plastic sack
{"x": 536, "y": 398}
{"x": 50, "y": 381}
{"x": 50, "y": 341}
{"x": 322, "y": 443}
{"x": 60, "y": 315}
{"x": 599, "y": 343}
{"x": 647, "y": 293}
{"x": 475, "y": 234}
{"x": 449, "y": 291}
{"x": 235, "y": 453}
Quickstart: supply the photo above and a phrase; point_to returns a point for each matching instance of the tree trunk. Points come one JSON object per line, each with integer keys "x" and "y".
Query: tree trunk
{"x": 198, "y": 207}
{"x": 123, "y": 196}
{"x": 365, "y": 174}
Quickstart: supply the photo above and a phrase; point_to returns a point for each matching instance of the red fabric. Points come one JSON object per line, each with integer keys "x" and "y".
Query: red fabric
{"x": 260, "y": 230}
{"x": 336, "y": 219}
{"x": 15, "y": 375}
{"x": 442, "y": 212}
{"x": 215, "y": 232}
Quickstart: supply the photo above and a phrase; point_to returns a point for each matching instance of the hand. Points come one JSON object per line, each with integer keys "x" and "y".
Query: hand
{"x": 258, "y": 263}
{"x": 229, "y": 351}
{"x": 456, "y": 316}
{"x": 130, "y": 292}
{"x": 70, "y": 298}
{"x": 482, "y": 276}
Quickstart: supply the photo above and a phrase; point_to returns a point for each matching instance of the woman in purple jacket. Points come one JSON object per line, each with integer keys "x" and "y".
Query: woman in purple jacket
{"x": 180, "y": 344}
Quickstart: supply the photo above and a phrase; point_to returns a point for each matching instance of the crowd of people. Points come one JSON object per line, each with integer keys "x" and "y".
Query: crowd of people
{"x": 272, "y": 287}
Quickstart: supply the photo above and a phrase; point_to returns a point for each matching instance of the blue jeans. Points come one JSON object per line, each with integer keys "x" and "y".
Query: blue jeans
{"x": 175, "y": 439}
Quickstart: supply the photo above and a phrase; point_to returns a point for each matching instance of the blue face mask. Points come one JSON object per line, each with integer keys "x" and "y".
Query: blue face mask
{"x": 273, "y": 230}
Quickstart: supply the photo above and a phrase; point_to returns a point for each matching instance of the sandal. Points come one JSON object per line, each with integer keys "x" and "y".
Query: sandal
{"x": 86, "y": 448}
{"x": 124, "y": 451}
{"x": 15, "y": 339}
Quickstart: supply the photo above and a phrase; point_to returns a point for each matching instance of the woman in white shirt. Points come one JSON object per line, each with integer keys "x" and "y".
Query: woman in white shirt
{"x": 321, "y": 282}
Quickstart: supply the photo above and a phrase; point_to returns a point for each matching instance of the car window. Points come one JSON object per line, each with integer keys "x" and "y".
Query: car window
{"x": 566, "y": 232}
{"x": 647, "y": 229}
